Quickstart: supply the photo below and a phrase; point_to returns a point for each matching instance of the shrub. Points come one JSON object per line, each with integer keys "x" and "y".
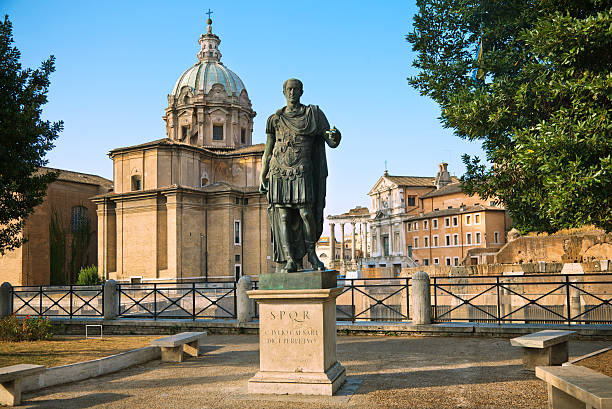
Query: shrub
{"x": 13, "y": 329}
{"x": 89, "y": 276}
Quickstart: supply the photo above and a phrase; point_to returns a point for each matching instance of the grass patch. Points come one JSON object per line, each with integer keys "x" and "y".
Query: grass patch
{"x": 63, "y": 350}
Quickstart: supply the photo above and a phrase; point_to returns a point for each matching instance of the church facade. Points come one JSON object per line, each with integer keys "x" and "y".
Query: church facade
{"x": 188, "y": 206}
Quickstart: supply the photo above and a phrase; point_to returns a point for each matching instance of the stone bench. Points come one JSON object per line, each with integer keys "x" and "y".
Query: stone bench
{"x": 543, "y": 348}
{"x": 576, "y": 387}
{"x": 10, "y": 382}
{"x": 172, "y": 347}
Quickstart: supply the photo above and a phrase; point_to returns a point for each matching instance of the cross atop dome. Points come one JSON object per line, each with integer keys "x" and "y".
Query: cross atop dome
{"x": 209, "y": 43}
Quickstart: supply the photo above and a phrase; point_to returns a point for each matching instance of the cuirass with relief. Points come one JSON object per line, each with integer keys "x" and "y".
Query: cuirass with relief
{"x": 292, "y": 154}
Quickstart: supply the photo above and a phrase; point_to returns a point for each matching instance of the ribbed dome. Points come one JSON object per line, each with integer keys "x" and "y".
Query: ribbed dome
{"x": 204, "y": 74}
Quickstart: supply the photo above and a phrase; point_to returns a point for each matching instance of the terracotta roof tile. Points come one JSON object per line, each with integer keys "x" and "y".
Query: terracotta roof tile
{"x": 70, "y": 176}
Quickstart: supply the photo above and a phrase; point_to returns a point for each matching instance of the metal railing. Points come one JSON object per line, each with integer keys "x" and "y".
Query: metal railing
{"x": 177, "y": 300}
{"x": 58, "y": 301}
{"x": 542, "y": 298}
{"x": 374, "y": 299}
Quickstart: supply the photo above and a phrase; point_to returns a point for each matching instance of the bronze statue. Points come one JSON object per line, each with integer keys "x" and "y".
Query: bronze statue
{"x": 293, "y": 175}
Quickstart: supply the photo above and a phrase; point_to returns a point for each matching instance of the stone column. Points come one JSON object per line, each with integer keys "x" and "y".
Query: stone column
{"x": 341, "y": 243}
{"x": 391, "y": 239}
{"x": 332, "y": 244}
{"x": 6, "y": 304}
{"x": 111, "y": 300}
{"x": 353, "y": 242}
{"x": 421, "y": 299}
{"x": 381, "y": 251}
{"x": 244, "y": 305}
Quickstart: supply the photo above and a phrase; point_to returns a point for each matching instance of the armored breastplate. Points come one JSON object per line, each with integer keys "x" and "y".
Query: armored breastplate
{"x": 291, "y": 155}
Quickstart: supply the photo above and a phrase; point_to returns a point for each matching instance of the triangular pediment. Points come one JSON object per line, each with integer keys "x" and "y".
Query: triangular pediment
{"x": 382, "y": 185}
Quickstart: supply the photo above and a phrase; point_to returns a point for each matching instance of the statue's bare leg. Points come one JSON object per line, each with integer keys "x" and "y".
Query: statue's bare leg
{"x": 309, "y": 238}
{"x": 284, "y": 233}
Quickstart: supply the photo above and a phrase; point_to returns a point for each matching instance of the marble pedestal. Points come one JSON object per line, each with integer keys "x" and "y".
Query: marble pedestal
{"x": 297, "y": 342}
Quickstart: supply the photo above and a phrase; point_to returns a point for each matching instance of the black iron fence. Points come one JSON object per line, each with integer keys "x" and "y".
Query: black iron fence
{"x": 177, "y": 300}
{"x": 70, "y": 300}
{"x": 543, "y": 299}
{"x": 374, "y": 299}
{"x": 534, "y": 299}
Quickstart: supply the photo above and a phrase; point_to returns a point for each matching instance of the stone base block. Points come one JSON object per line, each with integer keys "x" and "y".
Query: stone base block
{"x": 299, "y": 280}
{"x": 172, "y": 354}
{"x": 299, "y": 383}
{"x": 10, "y": 392}
{"x": 550, "y": 356}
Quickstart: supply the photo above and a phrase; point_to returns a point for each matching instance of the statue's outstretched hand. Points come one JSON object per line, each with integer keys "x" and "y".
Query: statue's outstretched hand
{"x": 334, "y": 137}
{"x": 263, "y": 185}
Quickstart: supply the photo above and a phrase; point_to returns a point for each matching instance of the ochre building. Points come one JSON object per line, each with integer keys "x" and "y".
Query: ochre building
{"x": 188, "y": 206}
{"x": 58, "y": 225}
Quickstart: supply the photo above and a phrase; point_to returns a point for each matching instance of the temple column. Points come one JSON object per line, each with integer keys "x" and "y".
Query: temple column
{"x": 391, "y": 248}
{"x": 341, "y": 242}
{"x": 353, "y": 242}
{"x": 332, "y": 244}
{"x": 364, "y": 239}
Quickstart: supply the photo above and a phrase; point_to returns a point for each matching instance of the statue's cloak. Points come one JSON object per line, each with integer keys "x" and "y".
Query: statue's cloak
{"x": 311, "y": 123}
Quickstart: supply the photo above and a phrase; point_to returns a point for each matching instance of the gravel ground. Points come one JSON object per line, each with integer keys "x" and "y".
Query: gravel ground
{"x": 600, "y": 363}
{"x": 395, "y": 372}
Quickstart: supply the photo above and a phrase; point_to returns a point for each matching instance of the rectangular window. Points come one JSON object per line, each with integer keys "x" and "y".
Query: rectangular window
{"x": 425, "y": 224}
{"x": 477, "y": 219}
{"x": 416, "y": 226}
{"x": 455, "y": 239}
{"x": 436, "y": 261}
{"x": 477, "y": 237}
{"x": 434, "y": 224}
{"x": 435, "y": 241}
{"x": 425, "y": 261}
{"x": 217, "y": 132}
{"x": 409, "y": 226}
{"x": 496, "y": 237}
{"x": 447, "y": 222}
{"x": 243, "y": 135}
{"x": 184, "y": 132}
{"x": 238, "y": 271}
{"x": 136, "y": 182}
{"x": 448, "y": 261}
{"x": 447, "y": 240}
{"x": 416, "y": 242}
{"x": 468, "y": 238}
{"x": 425, "y": 241}
{"x": 237, "y": 232}
{"x": 456, "y": 261}
{"x": 468, "y": 219}
{"x": 411, "y": 201}
{"x": 79, "y": 219}
{"x": 455, "y": 221}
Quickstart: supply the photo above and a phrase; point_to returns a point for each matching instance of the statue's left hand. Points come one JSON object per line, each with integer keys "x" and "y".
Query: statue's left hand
{"x": 334, "y": 137}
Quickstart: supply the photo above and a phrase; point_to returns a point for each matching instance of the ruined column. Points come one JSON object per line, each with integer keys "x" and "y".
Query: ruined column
{"x": 244, "y": 305}
{"x": 111, "y": 300}
{"x": 421, "y": 299}
{"x": 5, "y": 299}
{"x": 332, "y": 244}
{"x": 353, "y": 242}
{"x": 342, "y": 243}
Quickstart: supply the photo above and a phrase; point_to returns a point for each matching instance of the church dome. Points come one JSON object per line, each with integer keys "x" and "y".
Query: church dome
{"x": 204, "y": 74}
{"x": 209, "y": 70}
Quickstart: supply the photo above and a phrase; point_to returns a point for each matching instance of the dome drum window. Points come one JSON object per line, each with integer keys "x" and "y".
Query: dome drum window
{"x": 217, "y": 132}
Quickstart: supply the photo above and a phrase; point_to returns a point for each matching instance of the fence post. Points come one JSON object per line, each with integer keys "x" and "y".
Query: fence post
{"x": 5, "y": 299}
{"x": 244, "y": 305}
{"x": 421, "y": 298}
{"x": 111, "y": 300}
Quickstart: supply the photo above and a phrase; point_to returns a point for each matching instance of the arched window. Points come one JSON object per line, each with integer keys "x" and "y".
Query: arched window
{"x": 78, "y": 218}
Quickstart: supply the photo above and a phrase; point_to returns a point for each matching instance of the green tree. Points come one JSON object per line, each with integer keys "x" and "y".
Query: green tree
{"x": 541, "y": 109}
{"x": 24, "y": 139}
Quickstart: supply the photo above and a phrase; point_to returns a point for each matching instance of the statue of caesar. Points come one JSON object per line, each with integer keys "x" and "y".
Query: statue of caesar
{"x": 293, "y": 175}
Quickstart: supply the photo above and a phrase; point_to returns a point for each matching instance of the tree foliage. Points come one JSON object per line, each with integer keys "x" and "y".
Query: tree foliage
{"x": 543, "y": 110}
{"x": 24, "y": 139}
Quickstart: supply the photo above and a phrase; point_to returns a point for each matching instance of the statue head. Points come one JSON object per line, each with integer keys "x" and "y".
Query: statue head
{"x": 293, "y": 90}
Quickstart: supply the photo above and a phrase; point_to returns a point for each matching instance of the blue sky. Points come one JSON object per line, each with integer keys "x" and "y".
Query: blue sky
{"x": 116, "y": 61}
